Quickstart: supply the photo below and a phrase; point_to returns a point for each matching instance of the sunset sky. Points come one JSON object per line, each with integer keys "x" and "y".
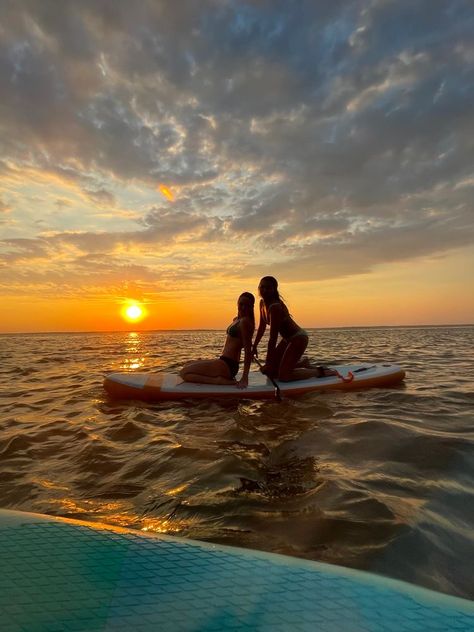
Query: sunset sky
{"x": 172, "y": 153}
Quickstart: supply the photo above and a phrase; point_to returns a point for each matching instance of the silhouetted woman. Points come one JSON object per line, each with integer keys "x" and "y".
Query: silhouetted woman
{"x": 283, "y": 359}
{"x": 224, "y": 369}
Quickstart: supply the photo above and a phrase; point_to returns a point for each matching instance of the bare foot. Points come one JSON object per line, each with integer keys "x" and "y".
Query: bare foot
{"x": 325, "y": 371}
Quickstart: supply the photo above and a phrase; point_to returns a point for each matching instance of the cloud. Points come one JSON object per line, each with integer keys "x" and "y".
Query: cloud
{"x": 4, "y": 208}
{"x": 23, "y": 249}
{"x": 101, "y": 197}
{"x": 319, "y": 138}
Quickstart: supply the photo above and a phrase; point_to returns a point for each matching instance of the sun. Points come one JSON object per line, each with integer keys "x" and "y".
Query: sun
{"x": 133, "y": 312}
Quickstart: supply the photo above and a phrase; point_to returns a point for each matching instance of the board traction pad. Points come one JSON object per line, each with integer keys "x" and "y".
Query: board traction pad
{"x": 62, "y": 576}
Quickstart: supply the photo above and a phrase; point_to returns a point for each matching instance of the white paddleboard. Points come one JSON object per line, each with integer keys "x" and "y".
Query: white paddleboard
{"x": 166, "y": 386}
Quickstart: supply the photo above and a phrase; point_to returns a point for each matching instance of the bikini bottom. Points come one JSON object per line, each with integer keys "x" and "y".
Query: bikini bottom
{"x": 232, "y": 364}
{"x": 300, "y": 332}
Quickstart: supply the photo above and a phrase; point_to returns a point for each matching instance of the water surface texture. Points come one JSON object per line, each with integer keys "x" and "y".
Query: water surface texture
{"x": 380, "y": 480}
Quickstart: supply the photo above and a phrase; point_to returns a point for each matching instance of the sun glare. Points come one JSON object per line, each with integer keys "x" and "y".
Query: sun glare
{"x": 166, "y": 192}
{"x": 133, "y": 313}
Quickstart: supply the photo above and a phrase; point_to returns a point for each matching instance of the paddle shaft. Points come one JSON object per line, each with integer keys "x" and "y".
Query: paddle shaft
{"x": 277, "y": 388}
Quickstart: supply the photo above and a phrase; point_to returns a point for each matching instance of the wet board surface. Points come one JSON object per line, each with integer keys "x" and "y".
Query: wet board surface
{"x": 60, "y": 575}
{"x": 162, "y": 386}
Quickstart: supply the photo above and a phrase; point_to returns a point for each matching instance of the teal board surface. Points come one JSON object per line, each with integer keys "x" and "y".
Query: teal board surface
{"x": 60, "y": 575}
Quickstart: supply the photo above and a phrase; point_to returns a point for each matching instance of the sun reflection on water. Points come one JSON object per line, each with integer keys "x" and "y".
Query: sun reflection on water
{"x": 163, "y": 525}
{"x": 133, "y": 348}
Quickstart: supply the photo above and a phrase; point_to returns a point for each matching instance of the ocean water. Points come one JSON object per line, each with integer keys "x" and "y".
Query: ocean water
{"x": 380, "y": 480}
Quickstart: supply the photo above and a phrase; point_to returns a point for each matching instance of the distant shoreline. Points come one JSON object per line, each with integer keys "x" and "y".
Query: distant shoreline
{"x": 151, "y": 331}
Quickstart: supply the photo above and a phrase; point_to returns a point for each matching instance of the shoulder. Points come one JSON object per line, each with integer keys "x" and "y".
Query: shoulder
{"x": 275, "y": 307}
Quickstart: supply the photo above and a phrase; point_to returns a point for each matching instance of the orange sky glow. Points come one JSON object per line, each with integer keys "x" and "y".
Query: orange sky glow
{"x": 436, "y": 295}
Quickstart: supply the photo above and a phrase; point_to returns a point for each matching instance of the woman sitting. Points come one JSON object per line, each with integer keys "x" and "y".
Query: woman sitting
{"x": 223, "y": 370}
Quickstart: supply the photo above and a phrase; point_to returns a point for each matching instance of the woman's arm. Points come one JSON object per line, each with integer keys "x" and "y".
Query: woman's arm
{"x": 247, "y": 332}
{"x": 260, "y": 331}
{"x": 274, "y": 315}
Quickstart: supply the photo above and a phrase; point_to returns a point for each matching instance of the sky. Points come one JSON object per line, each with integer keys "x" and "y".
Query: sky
{"x": 172, "y": 153}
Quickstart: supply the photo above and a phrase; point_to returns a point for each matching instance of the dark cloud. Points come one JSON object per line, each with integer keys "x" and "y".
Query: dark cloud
{"x": 327, "y": 132}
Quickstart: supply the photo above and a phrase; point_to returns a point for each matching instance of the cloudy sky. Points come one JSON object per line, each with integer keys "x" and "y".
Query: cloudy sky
{"x": 330, "y": 144}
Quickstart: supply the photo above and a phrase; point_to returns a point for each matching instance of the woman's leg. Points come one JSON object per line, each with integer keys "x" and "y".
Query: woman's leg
{"x": 320, "y": 369}
{"x": 271, "y": 369}
{"x": 293, "y": 352}
{"x": 207, "y": 372}
{"x": 292, "y": 369}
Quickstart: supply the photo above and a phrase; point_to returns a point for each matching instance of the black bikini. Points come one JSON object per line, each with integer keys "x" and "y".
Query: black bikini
{"x": 232, "y": 364}
{"x": 233, "y": 330}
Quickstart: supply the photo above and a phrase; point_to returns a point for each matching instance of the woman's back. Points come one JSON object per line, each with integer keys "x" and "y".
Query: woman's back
{"x": 286, "y": 325}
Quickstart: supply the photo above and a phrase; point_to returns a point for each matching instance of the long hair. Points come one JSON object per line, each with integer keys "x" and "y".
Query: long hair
{"x": 278, "y": 297}
{"x": 251, "y": 298}
{"x": 272, "y": 281}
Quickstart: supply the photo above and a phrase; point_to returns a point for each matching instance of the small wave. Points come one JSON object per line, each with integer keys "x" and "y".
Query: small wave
{"x": 128, "y": 432}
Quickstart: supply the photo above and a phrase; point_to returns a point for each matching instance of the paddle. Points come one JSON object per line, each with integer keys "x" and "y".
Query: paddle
{"x": 277, "y": 388}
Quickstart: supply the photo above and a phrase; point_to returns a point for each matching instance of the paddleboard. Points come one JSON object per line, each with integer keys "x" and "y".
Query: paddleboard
{"x": 166, "y": 386}
{"x": 60, "y": 574}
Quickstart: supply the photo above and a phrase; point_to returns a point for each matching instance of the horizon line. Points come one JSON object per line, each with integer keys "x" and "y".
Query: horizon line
{"x": 142, "y": 331}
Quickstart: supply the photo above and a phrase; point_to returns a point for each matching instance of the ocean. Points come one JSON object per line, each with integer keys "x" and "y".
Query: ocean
{"x": 380, "y": 480}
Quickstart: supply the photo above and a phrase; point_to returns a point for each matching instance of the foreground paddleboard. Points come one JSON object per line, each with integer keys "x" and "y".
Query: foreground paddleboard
{"x": 60, "y": 575}
{"x": 160, "y": 386}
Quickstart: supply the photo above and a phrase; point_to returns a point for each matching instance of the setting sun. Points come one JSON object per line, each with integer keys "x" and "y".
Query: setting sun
{"x": 133, "y": 313}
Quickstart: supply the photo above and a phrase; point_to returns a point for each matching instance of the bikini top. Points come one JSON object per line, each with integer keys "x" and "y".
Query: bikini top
{"x": 233, "y": 330}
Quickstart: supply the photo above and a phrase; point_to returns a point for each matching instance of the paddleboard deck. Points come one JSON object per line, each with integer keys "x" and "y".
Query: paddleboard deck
{"x": 60, "y": 574}
{"x": 167, "y": 386}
